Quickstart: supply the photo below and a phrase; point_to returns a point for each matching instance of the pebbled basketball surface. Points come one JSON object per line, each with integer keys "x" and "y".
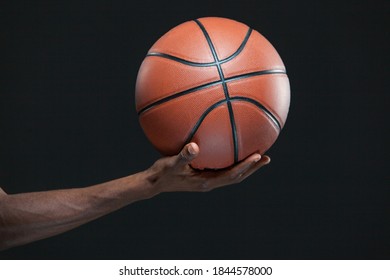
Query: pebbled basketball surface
{"x": 216, "y": 82}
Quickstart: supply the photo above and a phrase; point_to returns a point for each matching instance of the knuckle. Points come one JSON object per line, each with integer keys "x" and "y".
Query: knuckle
{"x": 184, "y": 156}
{"x": 239, "y": 178}
{"x": 163, "y": 165}
{"x": 235, "y": 176}
{"x": 167, "y": 164}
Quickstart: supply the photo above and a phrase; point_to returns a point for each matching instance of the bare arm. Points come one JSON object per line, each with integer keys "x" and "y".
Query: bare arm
{"x": 28, "y": 217}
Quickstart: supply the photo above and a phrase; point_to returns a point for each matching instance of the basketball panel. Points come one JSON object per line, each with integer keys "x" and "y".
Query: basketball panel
{"x": 272, "y": 91}
{"x": 226, "y": 34}
{"x": 185, "y": 41}
{"x": 257, "y": 55}
{"x": 168, "y": 125}
{"x": 215, "y": 140}
{"x": 255, "y": 131}
{"x": 159, "y": 78}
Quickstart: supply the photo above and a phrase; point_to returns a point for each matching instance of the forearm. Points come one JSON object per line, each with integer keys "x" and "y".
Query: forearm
{"x": 32, "y": 216}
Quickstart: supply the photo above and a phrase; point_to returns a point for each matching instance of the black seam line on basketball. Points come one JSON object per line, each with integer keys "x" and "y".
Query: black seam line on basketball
{"x": 201, "y": 119}
{"x": 261, "y": 107}
{"x": 240, "y": 48}
{"x": 235, "y": 98}
{"x": 256, "y": 73}
{"x": 176, "y": 95}
{"x": 204, "y": 64}
{"x": 194, "y": 89}
{"x": 225, "y": 89}
{"x": 183, "y": 61}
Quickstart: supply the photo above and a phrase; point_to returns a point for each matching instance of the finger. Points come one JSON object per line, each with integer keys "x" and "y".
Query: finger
{"x": 253, "y": 169}
{"x": 243, "y": 166}
{"x": 232, "y": 175}
{"x": 216, "y": 179}
{"x": 265, "y": 160}
{"x": 187, "y": 154}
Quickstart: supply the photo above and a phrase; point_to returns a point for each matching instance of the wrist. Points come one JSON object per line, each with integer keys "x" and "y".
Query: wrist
{"x": 146, "y": 183}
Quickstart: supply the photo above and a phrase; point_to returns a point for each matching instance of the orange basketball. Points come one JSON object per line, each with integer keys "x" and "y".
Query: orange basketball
{"x": 215, "y": 82}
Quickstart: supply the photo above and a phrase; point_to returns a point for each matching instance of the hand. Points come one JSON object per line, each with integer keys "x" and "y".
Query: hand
{"x": 175, "y": 174}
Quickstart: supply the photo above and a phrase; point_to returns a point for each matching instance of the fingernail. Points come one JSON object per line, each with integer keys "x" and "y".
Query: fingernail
{"x": 191, "y": 150}
{"x": 257, "y": 158}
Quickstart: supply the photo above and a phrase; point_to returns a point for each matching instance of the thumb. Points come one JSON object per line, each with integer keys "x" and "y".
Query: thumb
{"x": 188, "y": 153}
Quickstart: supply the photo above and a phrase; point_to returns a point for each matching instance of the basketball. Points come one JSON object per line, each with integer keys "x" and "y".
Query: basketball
{"x": 218, "y": 83}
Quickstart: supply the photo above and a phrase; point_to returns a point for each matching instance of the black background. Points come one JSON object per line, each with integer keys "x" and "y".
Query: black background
{"x": 67, "y": 119}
